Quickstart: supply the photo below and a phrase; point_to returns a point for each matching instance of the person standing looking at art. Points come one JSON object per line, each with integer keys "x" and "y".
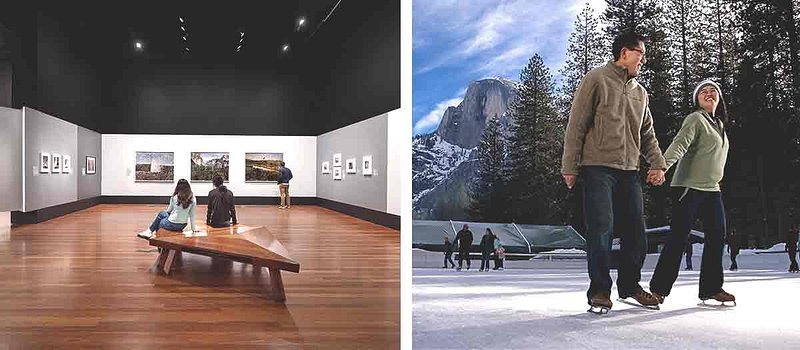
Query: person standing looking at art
{"x": 700, "y": 150}
{"x": 221, "y": 209}
{"x": 284, "y": 175}
{"x": 609, "y": 128}
{"x": 464, "y": 242}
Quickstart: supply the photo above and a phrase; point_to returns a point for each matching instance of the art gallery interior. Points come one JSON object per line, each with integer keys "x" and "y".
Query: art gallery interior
{"x": 103, "y": 108}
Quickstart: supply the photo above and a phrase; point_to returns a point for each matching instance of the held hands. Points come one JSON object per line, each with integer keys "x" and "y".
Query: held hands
{"x": 655, "y": 177}
{"x": 569, "y": 179}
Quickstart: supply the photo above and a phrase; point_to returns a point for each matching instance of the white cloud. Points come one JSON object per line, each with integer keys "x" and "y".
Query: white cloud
{"x": 432, "y": 119}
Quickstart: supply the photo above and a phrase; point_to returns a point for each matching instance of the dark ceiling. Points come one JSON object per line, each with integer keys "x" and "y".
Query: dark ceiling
{"x": 109, "y": 30}
{"x": 78, "y": 61}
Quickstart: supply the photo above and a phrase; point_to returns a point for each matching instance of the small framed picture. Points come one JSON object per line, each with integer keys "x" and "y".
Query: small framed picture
{"x": 366, "y": 165}
{"x": 44, "y": 162}
{"x": 326, "y": 167}
{"x": 337, "y": 173}
{"x": 337, "y": 159}
{"x": 91, "y": 165}
{"x": 66, "y": 168}
{"x": 56, "y": 164}
{"x": 351, "y": 166}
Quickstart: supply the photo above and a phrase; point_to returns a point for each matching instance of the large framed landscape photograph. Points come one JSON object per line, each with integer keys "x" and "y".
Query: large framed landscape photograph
{"x": 154, "y": 166}
{"x": 205, "y": 165}
{"x": 262, "y": 167}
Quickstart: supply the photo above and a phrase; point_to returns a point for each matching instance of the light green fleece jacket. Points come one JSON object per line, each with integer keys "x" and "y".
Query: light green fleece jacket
{"x": 701, "y": 150}
{"x": 180, "y": 215}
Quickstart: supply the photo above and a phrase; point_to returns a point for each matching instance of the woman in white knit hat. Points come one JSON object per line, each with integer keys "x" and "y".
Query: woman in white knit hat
{"x": 700, "y": 150}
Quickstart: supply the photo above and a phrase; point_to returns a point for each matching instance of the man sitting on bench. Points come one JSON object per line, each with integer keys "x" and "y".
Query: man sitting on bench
{"x": 221, "y": 209}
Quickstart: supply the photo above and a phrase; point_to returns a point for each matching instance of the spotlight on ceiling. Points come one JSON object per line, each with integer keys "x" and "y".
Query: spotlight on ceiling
{"x": 285, "y": 48}
{"x": 138, "y": 45}
{"x": 301, "y": 22}
{"x": 180, "y": 19}
{"x": 241, "y": 34}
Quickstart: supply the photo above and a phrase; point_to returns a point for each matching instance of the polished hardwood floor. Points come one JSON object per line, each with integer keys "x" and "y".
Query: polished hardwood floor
{"x": 86, "y": 280}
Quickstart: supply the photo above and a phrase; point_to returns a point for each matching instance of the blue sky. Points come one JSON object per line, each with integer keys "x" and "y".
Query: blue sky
{"x": 456, "y": 42}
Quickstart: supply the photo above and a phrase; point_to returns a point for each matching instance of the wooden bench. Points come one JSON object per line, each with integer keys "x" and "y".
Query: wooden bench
{"x": 251, "y": 245}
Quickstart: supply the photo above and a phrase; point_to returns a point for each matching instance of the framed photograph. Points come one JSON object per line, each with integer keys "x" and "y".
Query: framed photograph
{"x": 326, "y": 167}
{"x": 337, "y": 173}
{"x": 351, "y": 166}
{"x": 262, "y": 167}
{"x": 56, "y": 164}
{"x": 66, "y": 168}
{"x": 44, "y": 162}
{"x": 91, "y": 165}
{"x": 366, "y": 165}
{"x": 206, "y": 165}
{"x": 337, "y": 159}
{"x": 153, "y": 166}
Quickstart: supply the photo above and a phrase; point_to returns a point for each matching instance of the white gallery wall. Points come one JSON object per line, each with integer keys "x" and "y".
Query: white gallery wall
{"x": 397, "y": 145}
{"x": 119, "y": 161}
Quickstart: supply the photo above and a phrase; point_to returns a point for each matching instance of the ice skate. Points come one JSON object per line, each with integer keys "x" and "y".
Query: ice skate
{"x": 723, "y": 297}
{"x": 600, "y": 303}
{"x": 643, "y": 299}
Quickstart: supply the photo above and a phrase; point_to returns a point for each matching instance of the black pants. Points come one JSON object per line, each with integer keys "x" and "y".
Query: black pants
{"x": 733, "y": 262}
{"x": 463, "y": 255}
{"x": 692, "y": 204}
{"x": 485, "y": 259}
{"x": 449, "y": 257}
{"x": 792, "y": 259}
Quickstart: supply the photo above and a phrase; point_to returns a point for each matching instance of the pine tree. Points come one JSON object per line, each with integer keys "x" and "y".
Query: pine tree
{"x": 488, "y": 197}
{"x": 535, "y": 150}
{"x": 587, "y": 50}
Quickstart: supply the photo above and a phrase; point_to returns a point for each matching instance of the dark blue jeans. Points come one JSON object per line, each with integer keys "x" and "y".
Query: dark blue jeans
{"x": 612, "y": 205}
{"x": 162, "y": 221}
{"x": 708, "y": 207}
{"x": 485, "y": 259}
{"x": 448, "y": 257}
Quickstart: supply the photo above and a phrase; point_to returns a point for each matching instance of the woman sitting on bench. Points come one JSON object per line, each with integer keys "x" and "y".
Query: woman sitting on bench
{"x": 178, "y": 214}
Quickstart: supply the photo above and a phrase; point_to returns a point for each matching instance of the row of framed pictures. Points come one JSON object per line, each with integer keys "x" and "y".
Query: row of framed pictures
{"x": 350, "y": 168}
{"x": 160, "y": 166}
{"x": 62, "y": 164}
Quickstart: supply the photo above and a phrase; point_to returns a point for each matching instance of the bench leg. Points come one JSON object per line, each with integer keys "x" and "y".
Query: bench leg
{"x": 170, "y": 259}
{"x": 277, "y": 285}
{"x": 162, "y": 257}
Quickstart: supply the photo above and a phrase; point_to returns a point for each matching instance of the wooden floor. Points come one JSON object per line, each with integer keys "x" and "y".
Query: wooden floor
{"x": 85, "y": 280}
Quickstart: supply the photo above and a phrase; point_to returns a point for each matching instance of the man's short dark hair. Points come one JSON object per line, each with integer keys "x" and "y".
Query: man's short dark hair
{"x": 283, "y": 164}
{"x": 628, "y": 40}
{"x": 217, "y": 181}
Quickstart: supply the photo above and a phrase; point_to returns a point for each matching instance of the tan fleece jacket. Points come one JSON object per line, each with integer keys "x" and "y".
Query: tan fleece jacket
{"x": 610, "y": 123}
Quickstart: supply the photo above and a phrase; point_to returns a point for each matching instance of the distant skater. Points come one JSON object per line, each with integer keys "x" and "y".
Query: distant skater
{"x": 791, "y": 248}
{"x": 464, "y": 242}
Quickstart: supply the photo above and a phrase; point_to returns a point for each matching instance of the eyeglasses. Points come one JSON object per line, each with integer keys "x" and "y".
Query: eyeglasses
{"x": 637, "y": 50}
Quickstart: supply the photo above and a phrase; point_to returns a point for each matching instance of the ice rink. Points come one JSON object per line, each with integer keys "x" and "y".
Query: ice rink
{"x": 541, "y": 304}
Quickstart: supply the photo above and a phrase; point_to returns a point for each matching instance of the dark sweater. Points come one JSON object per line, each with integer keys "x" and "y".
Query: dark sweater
{"x": 284, "y": 175}
{"x": 221, "y": 208}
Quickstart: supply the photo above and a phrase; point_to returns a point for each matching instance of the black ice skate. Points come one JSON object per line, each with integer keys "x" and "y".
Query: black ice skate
{"x": 725, "y": 299}
{"x": 600, "y": 303}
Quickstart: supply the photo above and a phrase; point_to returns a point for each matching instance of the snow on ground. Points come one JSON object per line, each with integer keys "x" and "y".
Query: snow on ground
{"x": 541, "y": 304}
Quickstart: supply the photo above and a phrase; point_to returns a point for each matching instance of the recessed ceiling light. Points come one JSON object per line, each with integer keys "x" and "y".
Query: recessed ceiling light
{"x": 181, "y": 19}
{"x": 138, "y": 45}
{"x": 183, "y": 28}
{"x": 301, "y": 21}
{"x": 285, "y": 47}
{"x": 242, "y": 34}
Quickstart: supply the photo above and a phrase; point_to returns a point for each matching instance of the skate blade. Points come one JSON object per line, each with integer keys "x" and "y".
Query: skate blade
{"x": 598, "y": 310}
{"x": 632, "y": 303}
{"x": 717, "y": 304}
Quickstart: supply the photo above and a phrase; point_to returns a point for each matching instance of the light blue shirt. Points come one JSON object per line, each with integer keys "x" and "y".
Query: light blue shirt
{"x": 180, "y": 215}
